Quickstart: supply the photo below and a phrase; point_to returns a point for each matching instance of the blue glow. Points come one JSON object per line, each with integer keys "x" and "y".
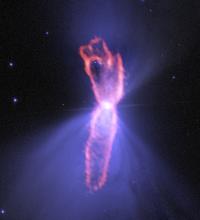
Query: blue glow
{"x": 53, "y": 178}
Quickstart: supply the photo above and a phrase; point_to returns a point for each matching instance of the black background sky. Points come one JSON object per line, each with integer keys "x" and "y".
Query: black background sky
{"x": 159, "y": 43}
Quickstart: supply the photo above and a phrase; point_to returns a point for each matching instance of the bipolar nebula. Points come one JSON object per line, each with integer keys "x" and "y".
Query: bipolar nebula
{"x": 106, "y": 74}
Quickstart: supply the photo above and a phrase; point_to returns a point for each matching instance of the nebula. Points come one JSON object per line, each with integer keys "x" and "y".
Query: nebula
{"x": 106, "y": 73}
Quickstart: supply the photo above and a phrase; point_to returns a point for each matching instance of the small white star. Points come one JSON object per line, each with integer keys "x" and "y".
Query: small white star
{"x": 11, "y": 64}
{"x": 2, "y": 211}
{"x": 15, "y": 100}
{"x": 46, "y": 33}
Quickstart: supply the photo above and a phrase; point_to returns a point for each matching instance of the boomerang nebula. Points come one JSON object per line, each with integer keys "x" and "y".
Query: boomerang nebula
{"x": 106, "y": 74}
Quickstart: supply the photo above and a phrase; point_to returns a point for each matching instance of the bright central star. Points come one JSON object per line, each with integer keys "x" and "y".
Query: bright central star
{"x": 106, "y": 105}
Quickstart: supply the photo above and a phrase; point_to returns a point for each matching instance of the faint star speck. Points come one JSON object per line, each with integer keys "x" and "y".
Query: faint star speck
{"x": 173, "y": 77}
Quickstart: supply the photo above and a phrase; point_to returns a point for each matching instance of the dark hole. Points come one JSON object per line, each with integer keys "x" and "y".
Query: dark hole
{"x": 96, "y": 69}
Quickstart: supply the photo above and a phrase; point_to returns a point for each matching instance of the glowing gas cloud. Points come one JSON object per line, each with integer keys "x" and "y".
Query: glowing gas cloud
{"x": 106, "y": 74}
